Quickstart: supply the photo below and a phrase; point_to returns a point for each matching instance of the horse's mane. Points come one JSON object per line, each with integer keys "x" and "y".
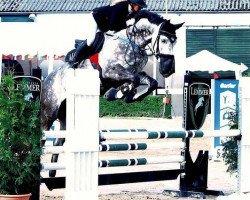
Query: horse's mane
{"x": 152, "y": 17}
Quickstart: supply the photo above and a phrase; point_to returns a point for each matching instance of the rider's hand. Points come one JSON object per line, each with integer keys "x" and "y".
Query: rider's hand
{"x": 130, "y": 22}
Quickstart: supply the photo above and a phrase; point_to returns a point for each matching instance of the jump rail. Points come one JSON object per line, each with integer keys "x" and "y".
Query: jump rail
{"x": 82, "y": 155}
{"x": 116, "y": 134}
{"x": 121, "y": 147}
{"x": 122, "y": 162}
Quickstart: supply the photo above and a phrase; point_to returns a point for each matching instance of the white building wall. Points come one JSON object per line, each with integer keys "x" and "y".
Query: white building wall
{"x": 50, "y": 33}
{"x": 55, "y": 34}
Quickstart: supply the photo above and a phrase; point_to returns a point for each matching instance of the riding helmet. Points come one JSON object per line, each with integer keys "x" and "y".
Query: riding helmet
{"x": 140, "y": 3}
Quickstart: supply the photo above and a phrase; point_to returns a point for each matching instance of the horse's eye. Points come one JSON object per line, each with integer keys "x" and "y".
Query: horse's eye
{"x": 172, "y": 39}
{"x": 164, "y": 41}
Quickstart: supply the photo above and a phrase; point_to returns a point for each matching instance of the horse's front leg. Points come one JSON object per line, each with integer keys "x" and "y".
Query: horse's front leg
{"x": 119, "y": 74}
{"x": 59, "y": 141}
{"x": 147, "y": 85}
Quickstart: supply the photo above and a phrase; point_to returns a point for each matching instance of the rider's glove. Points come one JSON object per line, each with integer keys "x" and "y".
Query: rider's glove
{"x": 130, "y": 22}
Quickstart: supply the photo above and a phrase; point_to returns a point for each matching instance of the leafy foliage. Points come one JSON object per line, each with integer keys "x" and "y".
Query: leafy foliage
{"x": 230, "y": 155}
{"x": 230, "y": 147}
{"x": 150, "y": 106}
{"x": 20, "y": 135}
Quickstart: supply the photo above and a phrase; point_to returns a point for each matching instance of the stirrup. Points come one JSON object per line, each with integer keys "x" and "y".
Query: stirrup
{"x": 73, "y": 65}
{"x": 72, "y": 56}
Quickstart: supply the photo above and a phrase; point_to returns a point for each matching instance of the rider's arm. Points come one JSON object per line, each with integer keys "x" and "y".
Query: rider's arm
{"x": 118, "y": 16}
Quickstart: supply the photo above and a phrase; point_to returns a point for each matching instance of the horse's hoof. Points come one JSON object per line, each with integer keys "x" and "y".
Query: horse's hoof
{"x": 129, "y": 98}
{"x": 110, "y": 95}
{"x": 52, "y": 173}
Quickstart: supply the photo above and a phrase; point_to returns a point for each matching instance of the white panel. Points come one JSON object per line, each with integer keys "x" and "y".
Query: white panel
{"x": 244, "y": 147}
{"x": 82, "y": 144}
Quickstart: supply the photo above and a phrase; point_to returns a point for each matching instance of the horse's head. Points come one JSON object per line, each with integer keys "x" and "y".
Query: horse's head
{"x": 163, "y": 41}
{"x": 151, "y": 27}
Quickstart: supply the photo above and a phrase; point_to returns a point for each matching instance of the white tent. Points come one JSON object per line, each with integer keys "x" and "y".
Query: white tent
{"x": 203, "y": 61}
{"x": 207, "y": 61}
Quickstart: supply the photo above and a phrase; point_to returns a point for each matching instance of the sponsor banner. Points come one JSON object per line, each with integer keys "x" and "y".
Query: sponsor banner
{"x": 225, "y": 109}
{"x": 32, "y": 87}
{"x": 196, "y": 99}
{"x": 199, "y": 96}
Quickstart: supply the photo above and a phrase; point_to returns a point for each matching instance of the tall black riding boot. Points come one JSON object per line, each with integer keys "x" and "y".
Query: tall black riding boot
{"x": 81, "y": 53}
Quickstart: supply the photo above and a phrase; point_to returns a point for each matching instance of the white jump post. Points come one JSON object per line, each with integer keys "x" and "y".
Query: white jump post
{"x": 82, "y": 144}
{"x": 244, "y": 146}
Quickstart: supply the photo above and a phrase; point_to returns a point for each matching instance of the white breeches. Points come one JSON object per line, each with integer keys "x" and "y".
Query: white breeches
{"x": 91, "y": 29}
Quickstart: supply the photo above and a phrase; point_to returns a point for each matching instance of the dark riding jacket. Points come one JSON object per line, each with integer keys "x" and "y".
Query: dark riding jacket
{"x": 112, "y": 18}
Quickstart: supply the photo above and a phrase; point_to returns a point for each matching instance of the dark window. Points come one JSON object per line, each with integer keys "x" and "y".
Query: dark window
{"x": 230, "y": 44}
{"x": 15, "y": 18}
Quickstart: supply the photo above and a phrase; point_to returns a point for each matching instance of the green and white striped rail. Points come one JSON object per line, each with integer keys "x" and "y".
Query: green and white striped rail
{"x": 132, "y": 130}
{"x": 140, "y": 146}
{"x": 121, "y": 162}
{"x": 63, "y": 133}
{"x": 117, "y": 134}
{"x": 122, "y": 147}
{"x": 141, "y": 161}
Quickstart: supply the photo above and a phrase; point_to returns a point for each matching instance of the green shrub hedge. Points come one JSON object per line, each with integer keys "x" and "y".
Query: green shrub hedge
{"x": 151, "y": 106}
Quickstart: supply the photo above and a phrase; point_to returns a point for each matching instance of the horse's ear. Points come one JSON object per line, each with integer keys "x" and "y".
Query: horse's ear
{"x": 177, "y": 26}
{"x": 166, "y": 23}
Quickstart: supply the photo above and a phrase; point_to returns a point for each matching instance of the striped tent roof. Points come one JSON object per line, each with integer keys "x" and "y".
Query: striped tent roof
{"x": 41, "y": 6}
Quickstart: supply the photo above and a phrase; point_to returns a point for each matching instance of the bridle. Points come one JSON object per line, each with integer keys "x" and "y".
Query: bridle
{"x": 155, "y": 48}
{"x": 172, "y": 38}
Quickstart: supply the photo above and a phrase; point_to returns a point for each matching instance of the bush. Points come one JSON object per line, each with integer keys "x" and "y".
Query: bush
{"x": 230, "y": 155}
{"x": 20, "y": 135}
{"x": 230, "y": 148}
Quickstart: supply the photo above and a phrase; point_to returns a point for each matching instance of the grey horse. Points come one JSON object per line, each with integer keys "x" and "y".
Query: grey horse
{"x": 121, "y": 61}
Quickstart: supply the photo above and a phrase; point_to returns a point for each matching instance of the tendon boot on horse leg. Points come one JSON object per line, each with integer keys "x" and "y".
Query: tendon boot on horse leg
{"x": 54, "y": 157}
{"x": 124, "y": 89}
{"x": 128, "y": 88}
{"x": 120, "y": 74}
{"x": 147, "y": 85}
{"x": 118, "y": 93}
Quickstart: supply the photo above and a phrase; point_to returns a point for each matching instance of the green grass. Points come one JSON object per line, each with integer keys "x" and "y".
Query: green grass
{"x": 151, "y": 106}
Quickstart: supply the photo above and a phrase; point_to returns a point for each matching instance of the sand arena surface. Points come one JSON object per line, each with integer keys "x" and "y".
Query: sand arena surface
{"x": 218, "y": 178}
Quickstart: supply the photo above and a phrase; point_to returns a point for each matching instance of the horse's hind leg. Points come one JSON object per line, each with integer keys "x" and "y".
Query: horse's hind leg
{"x": 148, "y": 85}
{"x": 59, "y": 141}
{"x": 119, "y": 74}
{"x": 118, "y": 93}
{"x": 54, "y": 157}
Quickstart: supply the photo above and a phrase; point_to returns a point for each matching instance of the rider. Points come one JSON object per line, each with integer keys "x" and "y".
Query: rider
{"x": 106, "y": 18}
